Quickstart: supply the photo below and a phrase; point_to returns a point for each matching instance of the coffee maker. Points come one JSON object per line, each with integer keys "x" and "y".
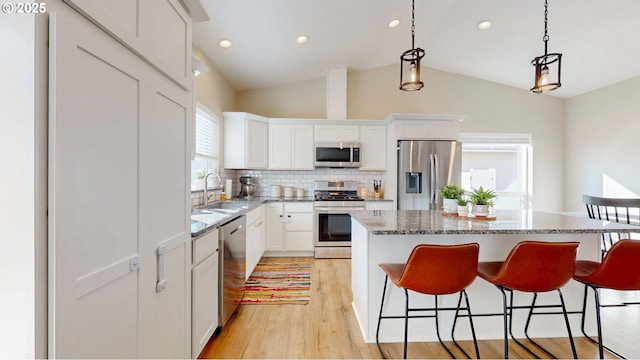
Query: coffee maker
{"x": 246, "y": 187}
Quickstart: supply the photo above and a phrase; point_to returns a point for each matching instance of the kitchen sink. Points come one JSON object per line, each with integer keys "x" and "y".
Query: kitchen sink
{"x": 209, "y": 219}
{"x": 220, "y": 211}
{"x": 230, "y": 206}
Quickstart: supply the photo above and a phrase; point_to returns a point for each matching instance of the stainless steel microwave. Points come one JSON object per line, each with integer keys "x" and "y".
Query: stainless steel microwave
{"x": 338, "y": 154}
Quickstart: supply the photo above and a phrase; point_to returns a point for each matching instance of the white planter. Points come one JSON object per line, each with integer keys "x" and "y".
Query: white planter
{"x": 450, "y": 206}
{"x": 463, "y": 210}
{"x": 480, "y": 210}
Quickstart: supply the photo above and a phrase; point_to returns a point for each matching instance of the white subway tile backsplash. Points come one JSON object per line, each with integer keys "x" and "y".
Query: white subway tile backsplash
{"x": 297, "y": 179}
{"x": 300, "y": 178}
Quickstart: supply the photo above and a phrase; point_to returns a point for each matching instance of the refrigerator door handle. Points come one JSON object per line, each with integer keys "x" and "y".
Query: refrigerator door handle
{"x": 432, "y": 175}
{"x": 436, "y": 183}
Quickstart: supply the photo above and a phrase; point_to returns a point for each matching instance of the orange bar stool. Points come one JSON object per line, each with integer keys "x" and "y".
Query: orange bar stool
{"x": 433, "y": 270}
{"x": 619, "y": 270}
{"x": 533, "y": 267}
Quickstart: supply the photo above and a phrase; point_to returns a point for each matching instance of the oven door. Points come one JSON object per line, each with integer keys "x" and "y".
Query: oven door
{"x": 334, "y": 226}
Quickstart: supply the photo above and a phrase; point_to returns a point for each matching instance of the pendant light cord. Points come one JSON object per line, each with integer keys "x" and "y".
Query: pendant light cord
{"x": 546, "y": 26}
{"x": 413, "y": 24}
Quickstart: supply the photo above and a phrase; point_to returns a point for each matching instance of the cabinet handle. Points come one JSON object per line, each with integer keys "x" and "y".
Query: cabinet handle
{"x": 162, "y": 283}
{"x": 260, "y": 223}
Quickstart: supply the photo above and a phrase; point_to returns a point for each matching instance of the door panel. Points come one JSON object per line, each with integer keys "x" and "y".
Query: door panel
{"x": 93, "y": 131}
{"x": 165, "y": 313}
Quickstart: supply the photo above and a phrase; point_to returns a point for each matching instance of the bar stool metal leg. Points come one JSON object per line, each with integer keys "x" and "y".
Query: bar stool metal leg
{"x": 473, "y": 330}
{"x": 384, "y": 291}
{"x": 601, "y": 346}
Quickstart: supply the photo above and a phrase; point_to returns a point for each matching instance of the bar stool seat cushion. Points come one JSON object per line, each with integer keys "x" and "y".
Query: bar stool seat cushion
{"x": 436, "y": 269}
{"x": 619, "y": 269}
{"x": 532, "y": 266}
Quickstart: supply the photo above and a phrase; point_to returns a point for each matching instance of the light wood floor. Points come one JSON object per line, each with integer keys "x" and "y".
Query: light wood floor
{"x": 327, "y": 328}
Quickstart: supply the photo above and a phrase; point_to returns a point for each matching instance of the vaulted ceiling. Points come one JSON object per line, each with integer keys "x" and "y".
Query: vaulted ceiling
{"x": 599, "y": 39}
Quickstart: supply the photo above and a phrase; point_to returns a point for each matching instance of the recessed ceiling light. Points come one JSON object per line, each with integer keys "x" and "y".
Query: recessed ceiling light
{"x": 225, "y": 43}
{"x": 484, "y": 24}
{"x": 393, "y": 23}
{"x": 302, "y": 39}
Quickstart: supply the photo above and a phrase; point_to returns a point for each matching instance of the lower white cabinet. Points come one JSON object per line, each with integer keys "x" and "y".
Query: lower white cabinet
{"x": 289, "y": 227}
{"x": 379, "y": 205}
{"x": 255, "y": 238}
{"x": 204, "y": 291}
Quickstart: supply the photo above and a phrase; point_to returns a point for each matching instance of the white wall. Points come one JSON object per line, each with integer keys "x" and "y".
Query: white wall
{"x": 17, "y": 207}
{"x": 602, "y": 133}
{"x": 212, "y": 89}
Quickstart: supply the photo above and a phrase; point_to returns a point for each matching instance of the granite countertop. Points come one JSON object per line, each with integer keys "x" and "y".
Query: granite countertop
{"x": 205, "y": 218}
{"x": 410, "y": 222}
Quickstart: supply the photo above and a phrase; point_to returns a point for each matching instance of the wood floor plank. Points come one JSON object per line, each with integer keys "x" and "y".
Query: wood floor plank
{"x": 326, "y": 328}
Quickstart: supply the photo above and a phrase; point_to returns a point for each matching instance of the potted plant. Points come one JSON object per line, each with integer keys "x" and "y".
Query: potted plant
{"x": 463, "y": 207}
{"x": 450, "y": 194}
{"x": 481, "y": 200}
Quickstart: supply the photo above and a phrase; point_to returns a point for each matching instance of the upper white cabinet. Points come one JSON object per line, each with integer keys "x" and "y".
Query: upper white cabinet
{"x": 246, "y": 142}
{"x": 330, "y": 133}
{"x": 425, "y": 127}
{"x": 159, "y": 31}
{"x": 374, "y": 147}
{"x": 290, "y": 147}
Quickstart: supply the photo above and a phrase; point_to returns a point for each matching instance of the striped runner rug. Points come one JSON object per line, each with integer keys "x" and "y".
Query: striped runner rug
{"x": 279, "y": 283}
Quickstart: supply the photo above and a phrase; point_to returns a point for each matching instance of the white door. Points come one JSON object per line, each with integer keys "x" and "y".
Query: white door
{"x": 119, "y": 244}
{"x": 165, "y": 238}
{"x": 93, "y": 192}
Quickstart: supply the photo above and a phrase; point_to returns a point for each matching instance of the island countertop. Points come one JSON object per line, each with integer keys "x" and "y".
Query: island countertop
{"x": 416, "y": 222}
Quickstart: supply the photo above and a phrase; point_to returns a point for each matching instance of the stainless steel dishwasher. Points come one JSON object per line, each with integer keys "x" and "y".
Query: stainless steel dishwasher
{"x": 233, "y": 250}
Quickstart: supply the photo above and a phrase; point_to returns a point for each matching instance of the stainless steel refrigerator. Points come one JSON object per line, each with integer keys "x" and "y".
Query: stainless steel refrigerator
{"x": 425, "y": 166}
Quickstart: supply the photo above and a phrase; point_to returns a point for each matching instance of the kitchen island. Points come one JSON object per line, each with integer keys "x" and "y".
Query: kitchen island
{"x": 389, "y": 236}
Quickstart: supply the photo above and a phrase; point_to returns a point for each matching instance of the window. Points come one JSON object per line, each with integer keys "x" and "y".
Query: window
{"x": 206, "y": 146}
{"x": 501, "y": 162}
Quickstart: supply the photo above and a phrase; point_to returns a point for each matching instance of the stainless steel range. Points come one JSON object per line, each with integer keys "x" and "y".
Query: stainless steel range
{"x": 334, "y": 202}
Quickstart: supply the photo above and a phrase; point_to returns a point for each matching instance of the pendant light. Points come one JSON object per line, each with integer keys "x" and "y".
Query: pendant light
{"x": 548, "y": 65}
{"x": 410, "y": 60}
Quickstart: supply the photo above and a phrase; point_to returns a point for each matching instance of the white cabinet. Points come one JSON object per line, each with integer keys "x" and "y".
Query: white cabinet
{"x": 119, "y": 252}
{"x": 158, "y": 31}
{"x": 246, "y": 141}
{"x": 290, "y": 228}
{"x": 255, "y": 238}
{"x": 204, "y": 298}
{"x": 290, "y": 147}
{"x": 374, "y": 147}
{"x": 330, "y": 133}
{"x": 444, "y": 129}
{"x": 379, "y": 205}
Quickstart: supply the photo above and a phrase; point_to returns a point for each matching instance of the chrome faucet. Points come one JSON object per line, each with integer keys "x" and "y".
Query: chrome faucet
{"x": 219, "y": 187}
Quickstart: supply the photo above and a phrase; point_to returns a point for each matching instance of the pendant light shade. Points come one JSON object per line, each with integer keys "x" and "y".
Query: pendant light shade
{"x": 410, "y": 70}
{"x": 410, "y": 61}
{"x": 548, "y": 66}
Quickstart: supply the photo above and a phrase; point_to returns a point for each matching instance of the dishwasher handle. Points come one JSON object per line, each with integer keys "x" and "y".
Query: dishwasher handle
{"x": 235, "y": 230}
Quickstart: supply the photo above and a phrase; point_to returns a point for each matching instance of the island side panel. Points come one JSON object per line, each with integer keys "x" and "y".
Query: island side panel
{"x": 360, "y": 274}
{"x": 484, "y": 298}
